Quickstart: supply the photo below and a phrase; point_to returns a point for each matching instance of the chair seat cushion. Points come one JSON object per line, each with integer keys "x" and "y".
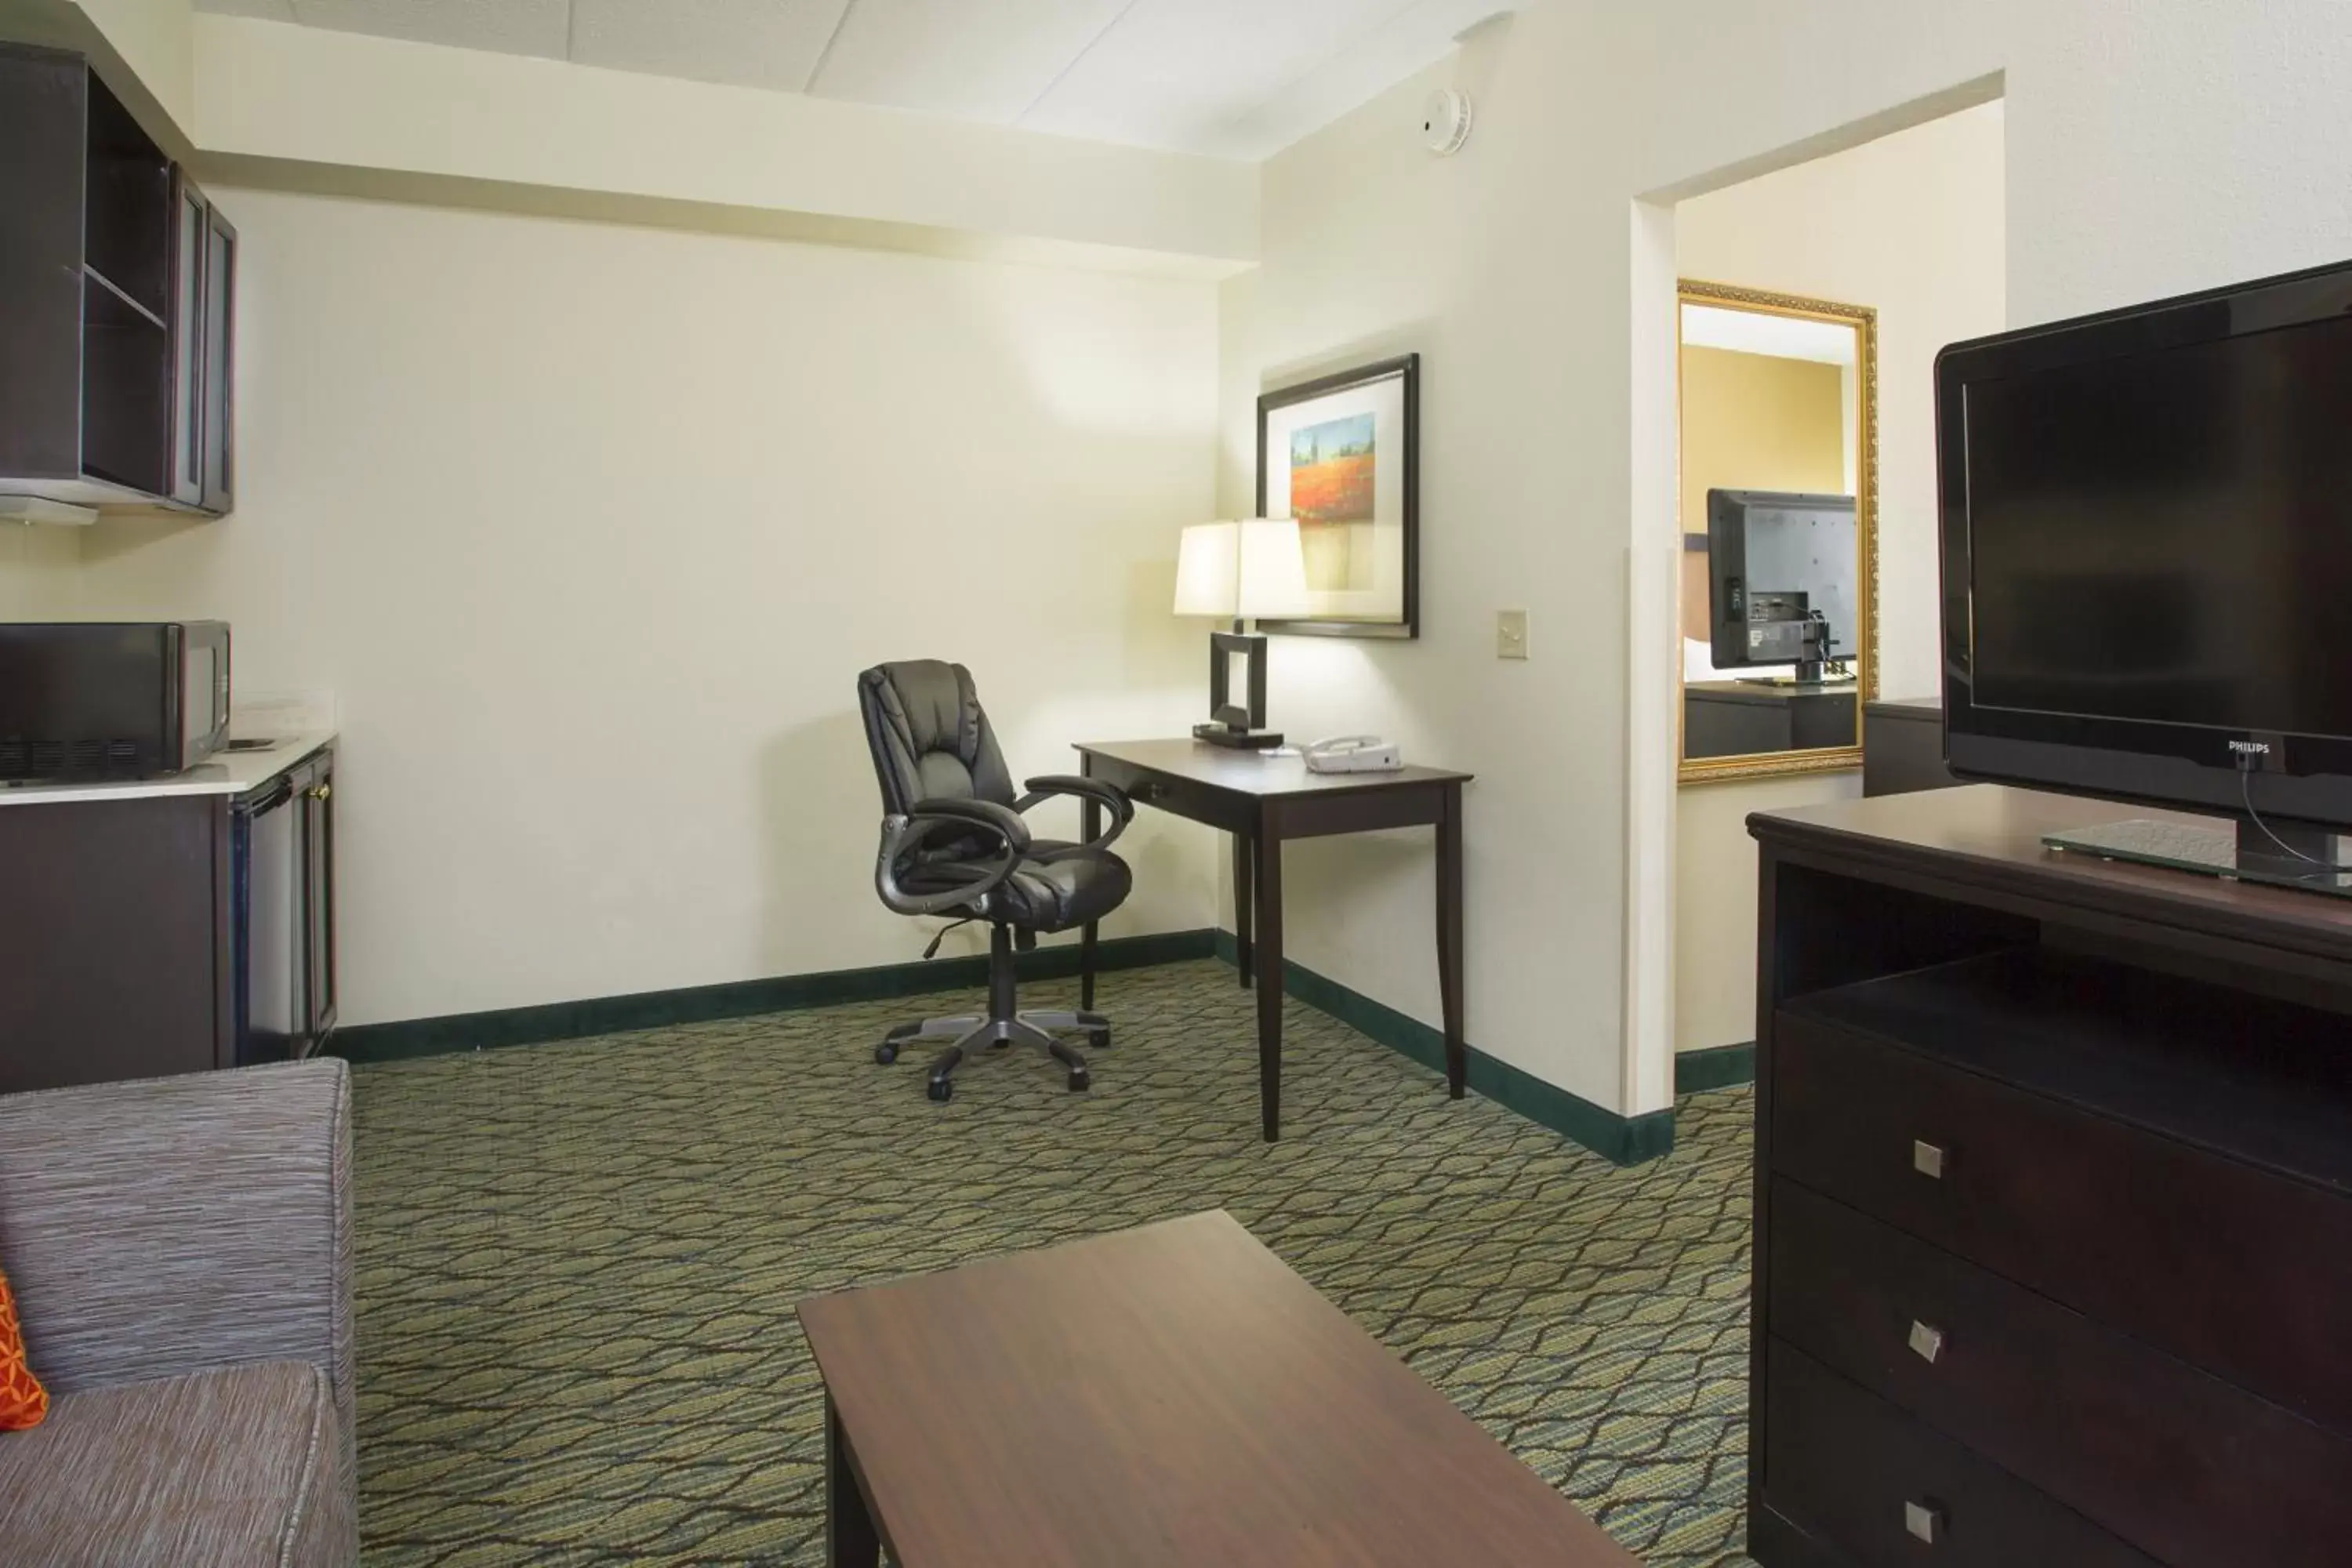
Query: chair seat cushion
{"x": 230, "y": 1468}
{"x": 1058, "y": 885}
{"x": 1069, "y": 887}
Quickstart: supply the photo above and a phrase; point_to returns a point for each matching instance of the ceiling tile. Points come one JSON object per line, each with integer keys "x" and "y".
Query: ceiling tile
{"x": 1172, "y": 71}
{"x": 270, "y": 10}
{"x": 508, "y": 27}
{"x": 986, "y": 62}
{"x": 1238, "y": 79}
{"x": 748, "y": 43}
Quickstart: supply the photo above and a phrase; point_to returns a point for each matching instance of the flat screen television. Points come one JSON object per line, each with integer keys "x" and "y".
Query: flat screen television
{"x": 1781, "y": 587}
{"x": 2146, "y": 540}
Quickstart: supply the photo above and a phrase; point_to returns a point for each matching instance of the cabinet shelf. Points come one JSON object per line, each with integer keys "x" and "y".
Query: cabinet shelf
{"x": 2226, "y": 1069}
{"x": 126, "y": 391}
{"x": 126, "y": 203}
{"x": 123, "y": 295}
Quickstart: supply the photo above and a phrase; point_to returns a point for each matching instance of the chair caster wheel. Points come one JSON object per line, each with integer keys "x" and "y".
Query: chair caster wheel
{"x": 1078, "y": 1080}
{"x": 941, "y": 1088}
{"x": 886, "y": 1052}
{"x": 1099, "y": 1039}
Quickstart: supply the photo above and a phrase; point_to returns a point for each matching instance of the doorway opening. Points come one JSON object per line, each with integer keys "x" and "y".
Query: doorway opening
{"x": 1813, "y": 300}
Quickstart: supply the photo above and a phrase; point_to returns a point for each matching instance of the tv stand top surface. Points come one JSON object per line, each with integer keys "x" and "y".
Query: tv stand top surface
{"x": 1983, "y": 843}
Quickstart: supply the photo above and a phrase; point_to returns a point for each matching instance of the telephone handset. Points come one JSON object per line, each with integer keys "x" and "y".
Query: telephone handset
{"x": 1352, "y": 755}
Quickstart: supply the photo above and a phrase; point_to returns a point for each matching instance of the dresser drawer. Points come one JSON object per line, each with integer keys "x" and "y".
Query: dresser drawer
{"x": 2182, "y": 1465}
{"x": 2237, "y": 1270}
{"x": 1889, "y": 1493}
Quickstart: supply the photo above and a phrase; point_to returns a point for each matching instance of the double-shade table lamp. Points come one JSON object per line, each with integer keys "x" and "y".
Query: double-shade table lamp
{"x": 1240, "y": 570}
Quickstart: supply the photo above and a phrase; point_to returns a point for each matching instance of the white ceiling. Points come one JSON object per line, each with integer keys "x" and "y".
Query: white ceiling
{"x": 1237, "y": 79}
{"x": 1761, "y": 332}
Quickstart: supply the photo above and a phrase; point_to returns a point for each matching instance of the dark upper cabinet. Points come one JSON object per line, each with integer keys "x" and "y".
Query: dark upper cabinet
{"x": 203, "y": 333}
{"x": 191, "y": 222}
{"x": 220, "y": 360}
{"x": 117, "y": 289}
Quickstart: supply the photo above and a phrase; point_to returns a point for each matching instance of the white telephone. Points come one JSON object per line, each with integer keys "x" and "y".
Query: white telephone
{"x": 1352, "y": 755}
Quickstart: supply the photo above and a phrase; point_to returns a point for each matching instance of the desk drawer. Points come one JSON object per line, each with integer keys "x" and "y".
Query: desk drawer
{"x": 1179, "y": 796}
{"x": 2172, "y": 1459}
{"x": 2227, "y": 1267}
{"x": 1847, "y": 1467}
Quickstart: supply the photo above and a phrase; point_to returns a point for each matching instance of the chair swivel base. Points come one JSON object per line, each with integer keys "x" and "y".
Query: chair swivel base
{"x": 973, "y": 1033}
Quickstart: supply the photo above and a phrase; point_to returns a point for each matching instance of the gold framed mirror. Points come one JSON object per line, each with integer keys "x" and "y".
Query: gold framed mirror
{"x": 1778, "y": 493}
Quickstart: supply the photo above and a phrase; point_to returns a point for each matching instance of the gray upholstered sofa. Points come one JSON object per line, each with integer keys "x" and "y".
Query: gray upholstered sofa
{"x": 180, "y": 1253}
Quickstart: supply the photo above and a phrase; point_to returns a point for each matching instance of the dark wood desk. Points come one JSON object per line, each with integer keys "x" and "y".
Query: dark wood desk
{"x": 1171, "y": 1396}
{"x": 1262, "y": 801}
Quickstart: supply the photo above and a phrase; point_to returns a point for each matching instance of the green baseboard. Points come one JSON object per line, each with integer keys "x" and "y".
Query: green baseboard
{"x": 1624, "y": 1140}
{"x": 1717, "y": 1066}
{"x": 740, "y": 999}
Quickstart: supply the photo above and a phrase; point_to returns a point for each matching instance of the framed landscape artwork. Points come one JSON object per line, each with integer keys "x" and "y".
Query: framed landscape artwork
{"x": 1341, "y": 456}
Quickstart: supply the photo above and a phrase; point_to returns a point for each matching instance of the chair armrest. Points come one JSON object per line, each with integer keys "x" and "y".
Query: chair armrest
{"x": 1045, "y": 786}
{"x": 902, "y": 836}
{"x": 182, "y": 1225}
{"x": 1002, "y": 820}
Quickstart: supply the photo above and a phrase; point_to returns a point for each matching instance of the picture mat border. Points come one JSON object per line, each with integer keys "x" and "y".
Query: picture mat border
{"x": 1408, "y": 367}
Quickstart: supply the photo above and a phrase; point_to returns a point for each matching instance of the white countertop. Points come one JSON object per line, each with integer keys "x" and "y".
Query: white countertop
{"x": 226, "y": 773}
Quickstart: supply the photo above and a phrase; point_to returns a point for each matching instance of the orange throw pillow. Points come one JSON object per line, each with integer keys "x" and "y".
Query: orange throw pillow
{"x": 23, "y": 1400}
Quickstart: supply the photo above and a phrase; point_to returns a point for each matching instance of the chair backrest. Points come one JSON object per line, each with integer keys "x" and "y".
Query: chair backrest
{"x": 929, "y": 737}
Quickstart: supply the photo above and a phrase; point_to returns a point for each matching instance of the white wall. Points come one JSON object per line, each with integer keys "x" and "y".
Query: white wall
{"x": 1911, "y": 224}
{"x": 37, "y": 570}
{"x": 590, "y": 529}
{"x": 2154, "y": 148}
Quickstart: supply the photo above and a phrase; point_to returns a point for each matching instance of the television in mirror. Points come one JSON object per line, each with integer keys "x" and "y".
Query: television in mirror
{"x": 1781, "y": 581}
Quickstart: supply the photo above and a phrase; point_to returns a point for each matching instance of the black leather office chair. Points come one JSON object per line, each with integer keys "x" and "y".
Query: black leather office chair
{"x": 953, "y": 843}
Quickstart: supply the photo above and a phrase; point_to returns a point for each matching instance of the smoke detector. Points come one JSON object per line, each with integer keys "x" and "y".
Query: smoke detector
{"x": 1446, "y": 121}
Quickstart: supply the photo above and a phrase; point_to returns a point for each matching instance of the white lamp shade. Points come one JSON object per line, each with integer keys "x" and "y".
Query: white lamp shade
{"x": 1247, "y": 569}
{"x": 1273, "y": 569}
{"x": 1208, "y": 569}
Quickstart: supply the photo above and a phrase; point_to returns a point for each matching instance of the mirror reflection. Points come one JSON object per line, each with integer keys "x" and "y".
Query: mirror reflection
{"x": 1778, "y": 539}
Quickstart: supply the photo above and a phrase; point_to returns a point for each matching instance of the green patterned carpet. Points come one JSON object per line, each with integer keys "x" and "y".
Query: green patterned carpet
{"x": 577, "y": 1262}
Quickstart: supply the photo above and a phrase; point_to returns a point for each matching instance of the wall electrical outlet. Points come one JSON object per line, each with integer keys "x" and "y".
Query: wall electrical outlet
{"x": 1510, "y": 634}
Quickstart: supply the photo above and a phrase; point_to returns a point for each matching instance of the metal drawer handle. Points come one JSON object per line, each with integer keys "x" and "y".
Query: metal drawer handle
{"x": 1927, "y": 1343}
{"x": 1925, "y": 1520}
{"x": 1927, "y": 1159}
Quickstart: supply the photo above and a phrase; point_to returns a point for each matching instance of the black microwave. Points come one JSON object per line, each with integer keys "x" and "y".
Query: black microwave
{"x": 105, "y": 699}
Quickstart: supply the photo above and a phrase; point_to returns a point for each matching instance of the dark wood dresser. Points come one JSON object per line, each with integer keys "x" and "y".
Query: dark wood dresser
{"x": 1740, "y": 718}
{"x": 1903, "y": 746}
{"x": 2054, "y": 1200}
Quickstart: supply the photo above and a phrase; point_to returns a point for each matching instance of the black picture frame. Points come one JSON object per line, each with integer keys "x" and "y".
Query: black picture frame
{"x": 1406, "y": 367}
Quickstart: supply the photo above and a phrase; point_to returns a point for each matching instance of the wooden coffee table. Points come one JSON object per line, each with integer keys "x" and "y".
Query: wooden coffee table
{"x": 1164, "y": 1397}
